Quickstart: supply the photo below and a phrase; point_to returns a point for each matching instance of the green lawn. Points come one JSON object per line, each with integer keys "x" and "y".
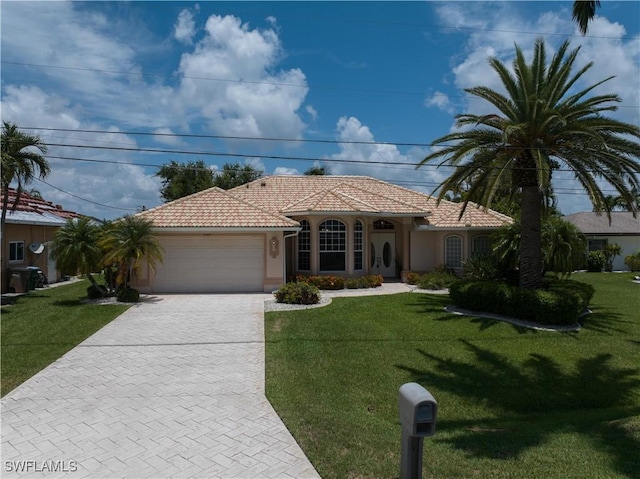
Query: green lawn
{"x": 43, "y": 325}
{"x": 513, "y": 402}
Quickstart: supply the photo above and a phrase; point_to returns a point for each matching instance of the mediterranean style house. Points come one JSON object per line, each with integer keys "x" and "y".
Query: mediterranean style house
{"x": 259, "y": 235}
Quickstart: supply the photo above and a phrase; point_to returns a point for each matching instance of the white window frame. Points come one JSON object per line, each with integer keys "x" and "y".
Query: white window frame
{"x": 13, "y": 252}
{"x": 331, "y": 245}
{"x": 358, "y": 244}
{"x": 304, "y": 236}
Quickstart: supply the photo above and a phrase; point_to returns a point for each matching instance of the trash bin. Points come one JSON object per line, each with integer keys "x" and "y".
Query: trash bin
{"x": 19, "y": 280}
{"x": 32, "y": 278}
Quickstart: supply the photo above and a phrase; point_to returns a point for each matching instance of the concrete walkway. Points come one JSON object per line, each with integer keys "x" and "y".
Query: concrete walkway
{"x": 172, "y": 388}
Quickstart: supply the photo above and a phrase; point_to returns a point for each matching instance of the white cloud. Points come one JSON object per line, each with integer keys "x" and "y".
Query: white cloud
{"x": 283, "y": 170}
{"x": 312, "y": 112}
{"x": 439, "y": 100}
{"x": 167, "y": 136}
{"x": 383, "y": 161}
{"x": 123, "y": 186}
{"x": 185, "y": 27}
{"x": 245, "y": 95}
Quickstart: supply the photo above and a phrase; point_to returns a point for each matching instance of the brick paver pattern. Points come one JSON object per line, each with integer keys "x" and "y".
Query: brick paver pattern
{"x": 172, "y": 388}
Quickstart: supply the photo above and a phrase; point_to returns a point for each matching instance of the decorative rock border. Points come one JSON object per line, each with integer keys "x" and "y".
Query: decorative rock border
{"x": 562, "y": 328}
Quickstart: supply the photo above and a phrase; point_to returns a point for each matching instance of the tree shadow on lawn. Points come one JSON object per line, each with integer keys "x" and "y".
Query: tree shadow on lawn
{"x": 586, "y": 401}
{"x": 605, "y": 321}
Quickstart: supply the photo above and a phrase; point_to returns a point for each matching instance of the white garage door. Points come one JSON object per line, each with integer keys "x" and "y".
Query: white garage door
{"x": 210, "y": 264}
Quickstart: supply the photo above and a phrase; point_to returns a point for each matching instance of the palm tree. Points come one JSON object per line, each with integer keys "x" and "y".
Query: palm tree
{"x": 583, "y": 13}
{"x": 543, "y": 124}
{"x": 76, "y": 247}
{"x": 128, "y": 242}
{"x": 22, "y": 161}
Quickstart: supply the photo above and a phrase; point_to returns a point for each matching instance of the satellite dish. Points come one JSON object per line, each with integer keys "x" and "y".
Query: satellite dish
{"x": 36, "y": 248}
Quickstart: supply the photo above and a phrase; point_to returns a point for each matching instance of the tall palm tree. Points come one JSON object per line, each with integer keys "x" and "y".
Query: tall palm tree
{"x": 543, "y": 124}
{"x": 583, "y": 13}
{"x": 128, "y": 242}
{"x": 76, "y": 247}
{"x": 22, "y": 161}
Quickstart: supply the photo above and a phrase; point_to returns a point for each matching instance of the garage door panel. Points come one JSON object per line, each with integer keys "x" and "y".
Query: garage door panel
{"x": 210, "y": 264}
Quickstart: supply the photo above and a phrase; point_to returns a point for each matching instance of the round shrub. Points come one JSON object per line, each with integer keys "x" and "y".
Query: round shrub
{"x": 413, "y": 278}
{"x": 356, "y": 283}
{"x": 98, "y": 292}
{"x": 373, "y": 280}
{"x": 596, "y": 261}
{"x": 128, "y": 295}
{"x": 298, "y": 293}
{"x": 633, "y": 261}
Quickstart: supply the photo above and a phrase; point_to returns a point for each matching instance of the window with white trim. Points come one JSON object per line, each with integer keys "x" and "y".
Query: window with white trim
{"x": 304, "y": 247}
{"x": 16, "y": 250}
{"x": 453, "y": 252}
{"x": 357, "y": 245}
{"x": 481, "y": 245}
{"x": 333, "y": 245}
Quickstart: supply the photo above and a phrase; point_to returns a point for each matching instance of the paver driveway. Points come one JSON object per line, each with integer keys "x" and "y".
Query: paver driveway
{"x": 172, "y": 388}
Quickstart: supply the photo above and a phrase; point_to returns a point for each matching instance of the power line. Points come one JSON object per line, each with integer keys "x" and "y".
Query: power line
{"x": 268, "y": 157}
{"x": 391, "y": 166}
{"x": 85, "y": 199}
{"x": 249, "y": 82}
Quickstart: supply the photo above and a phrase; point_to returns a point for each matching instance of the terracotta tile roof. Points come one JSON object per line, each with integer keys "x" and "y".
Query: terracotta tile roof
{"x": 215, "y": 208}
{"x": 292, "y": 195}
{"x": 622, "y": 223}
{"x": 34, "y": 208}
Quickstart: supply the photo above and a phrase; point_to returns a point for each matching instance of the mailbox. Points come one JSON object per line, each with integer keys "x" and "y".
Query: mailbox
{"x": 418, "y": 410}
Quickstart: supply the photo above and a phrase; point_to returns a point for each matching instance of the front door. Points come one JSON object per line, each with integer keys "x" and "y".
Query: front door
{"x": 382, "y": 254}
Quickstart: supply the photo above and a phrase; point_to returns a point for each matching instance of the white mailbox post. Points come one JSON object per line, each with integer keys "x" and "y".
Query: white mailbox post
{"x": 418, "y": 410}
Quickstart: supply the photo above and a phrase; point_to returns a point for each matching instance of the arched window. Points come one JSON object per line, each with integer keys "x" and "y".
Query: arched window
{"x": 382, "y": 225}
{"x": 481, "y": 245}
{"x": 304, "y": 247}
{"x": 453, "y": 252}
{"x": 333, "y": 244}
{"x": 357, "y": 245}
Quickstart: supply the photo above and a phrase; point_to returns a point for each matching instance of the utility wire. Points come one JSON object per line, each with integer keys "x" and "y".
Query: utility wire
{"x": 85, "y": 199}
{"x": 249, "y": 82}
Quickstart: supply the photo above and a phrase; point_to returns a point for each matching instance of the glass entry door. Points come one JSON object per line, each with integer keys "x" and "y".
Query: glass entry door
{"x": 382, "y": 254}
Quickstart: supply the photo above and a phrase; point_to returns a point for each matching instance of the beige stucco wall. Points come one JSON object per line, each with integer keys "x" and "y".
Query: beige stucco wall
{"x": 274, "y": 261}
{"x": 28, "y": 234}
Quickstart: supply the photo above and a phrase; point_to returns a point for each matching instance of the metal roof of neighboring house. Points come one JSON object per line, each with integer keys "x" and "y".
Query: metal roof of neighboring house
{"x": 31, "y": 210}
{"x": 215, "y": 208}
{"x": 622, "y": 223}
{"x": 296, "y": 195}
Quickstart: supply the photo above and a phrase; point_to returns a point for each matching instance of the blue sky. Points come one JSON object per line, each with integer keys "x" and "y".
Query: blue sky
{"x": 341, "y": 72}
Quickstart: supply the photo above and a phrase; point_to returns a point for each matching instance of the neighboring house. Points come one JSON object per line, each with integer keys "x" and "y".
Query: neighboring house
{"x": 29, "y": 230}
{"x": 252, "y": 237}
{"x": 623, "y": 230}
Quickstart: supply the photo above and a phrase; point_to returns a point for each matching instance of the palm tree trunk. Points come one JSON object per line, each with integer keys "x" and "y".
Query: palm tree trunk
{"x": 531, "y": 242}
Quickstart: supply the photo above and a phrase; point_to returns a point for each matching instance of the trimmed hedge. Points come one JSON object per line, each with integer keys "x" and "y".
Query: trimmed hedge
{"x": 558, "y": 302}
{"x": 297, "y": 293}
{"x": 339, "y": 282}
